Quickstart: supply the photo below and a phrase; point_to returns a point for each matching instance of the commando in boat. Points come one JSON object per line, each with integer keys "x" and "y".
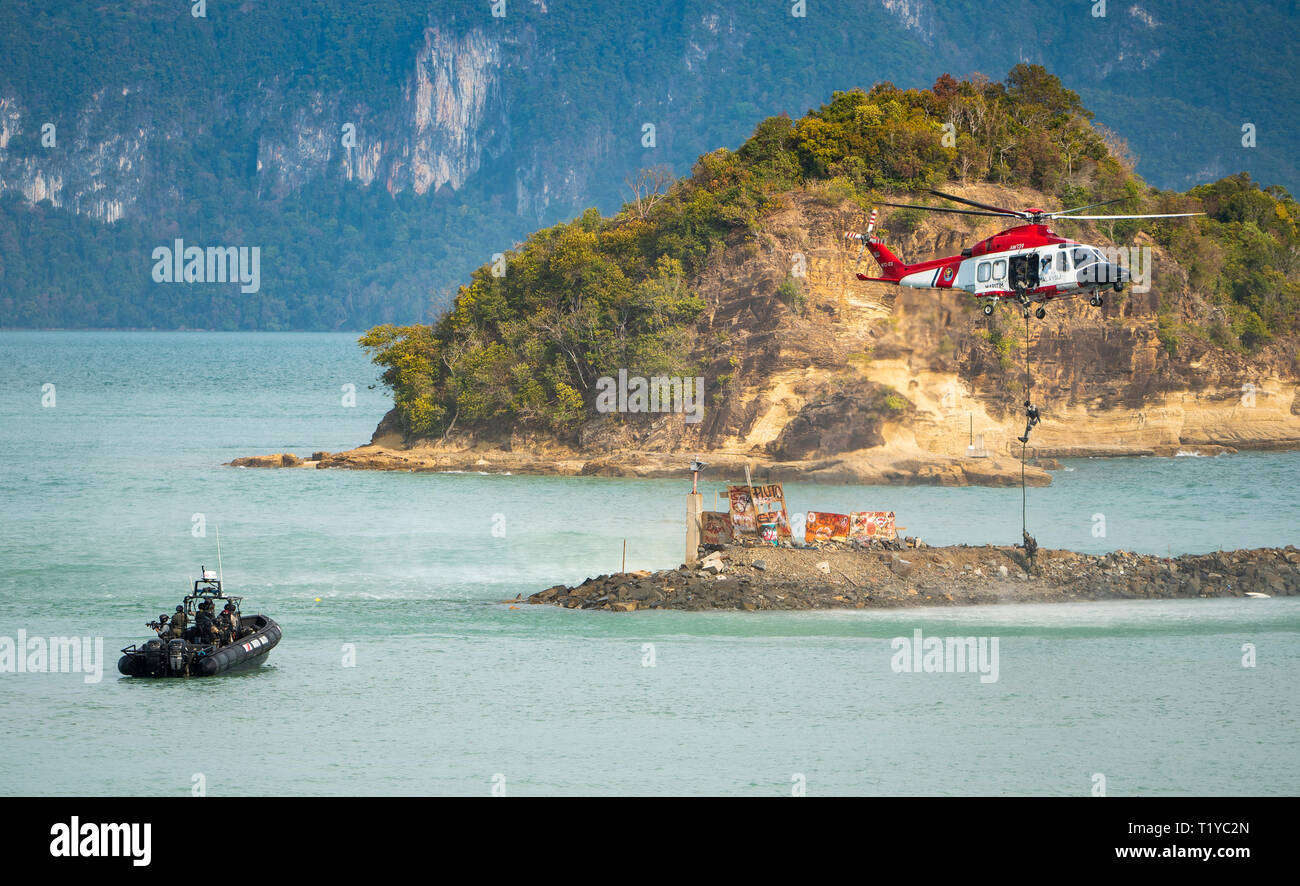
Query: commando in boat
{"x": 206, "y": 635}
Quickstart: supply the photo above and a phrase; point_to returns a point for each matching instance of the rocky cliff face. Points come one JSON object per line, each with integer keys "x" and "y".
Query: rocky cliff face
{"x": 95, "y": 167}
{"x": 849, "y": 367}
{"x": 448, "y": 121}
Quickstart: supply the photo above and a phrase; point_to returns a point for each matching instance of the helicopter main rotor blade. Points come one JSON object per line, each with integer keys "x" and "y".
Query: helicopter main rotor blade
{"x": 1062, "y": 212}
{"x": 946, "y": 209}
{"x": 1157, "y": 215}
{"x": 997, "y": 209}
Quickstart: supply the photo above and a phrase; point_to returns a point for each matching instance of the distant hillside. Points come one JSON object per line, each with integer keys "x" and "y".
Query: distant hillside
{"x": 701, "y": 282}
{"x": 376, "y": 151}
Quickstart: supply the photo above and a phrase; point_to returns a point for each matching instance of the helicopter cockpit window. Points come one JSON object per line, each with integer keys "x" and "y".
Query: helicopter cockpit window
{"x": 1082, "y": 257}
{"x": 982, "y": 274}
{"x": 999, "y": 269}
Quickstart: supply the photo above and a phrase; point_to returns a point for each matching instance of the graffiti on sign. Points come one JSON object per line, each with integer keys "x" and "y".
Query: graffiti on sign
{"x": 766, "y": 499}
{"x": 716, "y": 528}
{"x": 826, "y": 527}
{"x": 872, "y": 525}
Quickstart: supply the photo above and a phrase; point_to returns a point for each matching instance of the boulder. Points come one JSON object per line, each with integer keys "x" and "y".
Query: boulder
{"x": 278, "y": 460}
{"x": 640, "y": 591}
{"x": 844, "y": 421}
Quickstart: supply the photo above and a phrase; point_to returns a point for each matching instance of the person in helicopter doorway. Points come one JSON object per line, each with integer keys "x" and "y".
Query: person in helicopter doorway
{"x": 180, "y": 621}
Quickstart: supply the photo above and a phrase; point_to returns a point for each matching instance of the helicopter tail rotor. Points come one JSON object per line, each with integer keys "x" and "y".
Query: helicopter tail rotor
{"x": 893, "y": 267}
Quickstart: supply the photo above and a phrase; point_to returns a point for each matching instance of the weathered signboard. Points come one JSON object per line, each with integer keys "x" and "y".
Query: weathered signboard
{"x": 822, "y": 526}
{"x": 716, "y": 528}
{"x": 872, "y": 525}
{"x": 765, "y": 499}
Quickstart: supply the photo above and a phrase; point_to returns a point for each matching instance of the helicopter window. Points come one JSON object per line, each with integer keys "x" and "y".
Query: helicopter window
{"x": 999, "y": 269}
{"x": 1082, "y": 257}
{"x": 1062, "y": 261}
{"x": 983, "y": 273}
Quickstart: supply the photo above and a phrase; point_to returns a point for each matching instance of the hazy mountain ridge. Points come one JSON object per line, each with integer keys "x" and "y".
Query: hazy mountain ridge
{"x": 470, "y": 130}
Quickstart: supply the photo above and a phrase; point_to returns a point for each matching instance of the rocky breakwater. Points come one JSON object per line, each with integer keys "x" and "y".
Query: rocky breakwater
{"x": 765, "y": 577}
{"x": 881, "y": 469}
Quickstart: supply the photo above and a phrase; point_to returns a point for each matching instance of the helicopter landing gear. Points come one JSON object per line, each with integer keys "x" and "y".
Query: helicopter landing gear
{"x": 1096, "y": 301}
{"x": 988, "y": 310}
{"x": 1119, "y": 285}
{"x": 1040, "y": 313}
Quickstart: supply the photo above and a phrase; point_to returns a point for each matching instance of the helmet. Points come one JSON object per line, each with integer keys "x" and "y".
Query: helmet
{"x": 180, "y": 608}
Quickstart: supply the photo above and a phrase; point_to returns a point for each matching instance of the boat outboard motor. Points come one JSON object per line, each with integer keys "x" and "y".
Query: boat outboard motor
{"x": 154, "y": 658}
{"x": 177, "y": 658}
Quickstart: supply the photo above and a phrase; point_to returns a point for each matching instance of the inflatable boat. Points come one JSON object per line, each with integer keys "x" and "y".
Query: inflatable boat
{"x": 240, "y": 641}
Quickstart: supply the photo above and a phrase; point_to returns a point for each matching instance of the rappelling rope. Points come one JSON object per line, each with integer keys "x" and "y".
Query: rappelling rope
{"x": 1024, "y": 444}
{"x": 1031, "y": 419}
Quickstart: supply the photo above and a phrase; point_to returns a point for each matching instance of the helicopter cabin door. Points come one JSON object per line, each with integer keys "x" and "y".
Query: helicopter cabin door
{"x": 1024, "y": 272}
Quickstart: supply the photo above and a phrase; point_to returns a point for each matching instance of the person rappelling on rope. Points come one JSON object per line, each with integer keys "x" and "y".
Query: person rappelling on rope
{"x": 1031, "y": 551}
{"x": 1031, "y": 411}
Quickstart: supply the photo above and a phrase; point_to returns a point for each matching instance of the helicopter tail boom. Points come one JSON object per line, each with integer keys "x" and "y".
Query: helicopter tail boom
{"x": 891, "y": 266}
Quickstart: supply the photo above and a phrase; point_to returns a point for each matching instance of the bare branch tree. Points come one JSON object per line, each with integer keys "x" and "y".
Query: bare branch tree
{"x": 648, "y": 187}
{"x": 1118, "y": 147}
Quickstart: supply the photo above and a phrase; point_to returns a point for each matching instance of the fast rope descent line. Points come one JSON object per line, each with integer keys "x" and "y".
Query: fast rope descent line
{"x": 1031, "y": 418}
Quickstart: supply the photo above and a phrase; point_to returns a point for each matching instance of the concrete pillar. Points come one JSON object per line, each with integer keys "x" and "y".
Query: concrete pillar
{"x": 694, "y": 507}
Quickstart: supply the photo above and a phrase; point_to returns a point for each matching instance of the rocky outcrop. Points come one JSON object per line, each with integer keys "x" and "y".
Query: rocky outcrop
{"x": 279, "y": 460}
{"x": 858, "y": 382}
{"x": 862, "y": 467}
{"x": 843, "y": 422}
{"x": 836, "y": 577}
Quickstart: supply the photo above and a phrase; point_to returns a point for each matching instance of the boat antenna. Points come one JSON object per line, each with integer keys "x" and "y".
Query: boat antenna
{"x": 220, "y": 574}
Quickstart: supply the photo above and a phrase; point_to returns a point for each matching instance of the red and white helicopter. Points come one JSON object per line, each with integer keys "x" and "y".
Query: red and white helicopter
{"x": 1028, "y": 263}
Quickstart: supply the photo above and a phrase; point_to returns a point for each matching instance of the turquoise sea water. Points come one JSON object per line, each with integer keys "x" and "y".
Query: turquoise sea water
{"x": 451, "y": 688}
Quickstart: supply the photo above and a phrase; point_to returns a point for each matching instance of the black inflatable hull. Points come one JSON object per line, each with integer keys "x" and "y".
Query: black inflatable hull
{"x": 248, "y": 651}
